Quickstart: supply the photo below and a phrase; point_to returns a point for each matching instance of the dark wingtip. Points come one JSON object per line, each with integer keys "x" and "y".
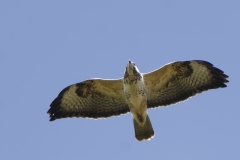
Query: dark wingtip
{"x": 52, "y": 118}
{"x": 55, "y": 105}
{"x": 219, "y": 77}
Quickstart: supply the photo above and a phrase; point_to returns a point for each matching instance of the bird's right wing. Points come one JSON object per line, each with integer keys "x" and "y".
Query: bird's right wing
{"x": 95, "y": 98}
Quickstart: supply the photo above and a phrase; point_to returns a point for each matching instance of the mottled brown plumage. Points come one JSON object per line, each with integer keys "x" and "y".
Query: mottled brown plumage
{"x": 178, "y": 81}
{"x": 92, "y": 98}
{"x": 174, "y": 82}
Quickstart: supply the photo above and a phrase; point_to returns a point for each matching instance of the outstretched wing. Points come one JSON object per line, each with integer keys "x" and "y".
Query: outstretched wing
{"x": 178, "y": 81}
{"x": 94, "y": 98}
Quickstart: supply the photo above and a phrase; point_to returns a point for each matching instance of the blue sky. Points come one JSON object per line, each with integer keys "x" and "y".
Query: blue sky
{"x": 48, "y": 45}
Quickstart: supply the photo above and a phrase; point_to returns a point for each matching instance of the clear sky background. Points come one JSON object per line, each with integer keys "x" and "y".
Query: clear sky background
{"x": 48, "y": 45}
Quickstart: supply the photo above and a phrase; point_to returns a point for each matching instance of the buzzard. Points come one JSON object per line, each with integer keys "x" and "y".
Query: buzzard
{"x": 136, "y": 92}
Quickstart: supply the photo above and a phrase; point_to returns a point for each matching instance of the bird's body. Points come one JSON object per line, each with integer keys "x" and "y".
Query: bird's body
{"x": 136, "y": 98}
{"x": 136, "y": 92}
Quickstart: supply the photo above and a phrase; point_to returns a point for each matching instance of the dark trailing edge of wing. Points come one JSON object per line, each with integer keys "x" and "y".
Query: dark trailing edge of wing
{"x": 218, "y": 81}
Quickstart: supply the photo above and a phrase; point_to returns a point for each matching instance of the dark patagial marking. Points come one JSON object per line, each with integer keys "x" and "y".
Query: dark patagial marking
{"x": 85, "y": 88}
{"x": 183, "y": 69}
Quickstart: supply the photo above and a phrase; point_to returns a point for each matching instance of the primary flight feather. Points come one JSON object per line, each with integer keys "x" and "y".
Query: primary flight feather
{"x": 136, "y": 92}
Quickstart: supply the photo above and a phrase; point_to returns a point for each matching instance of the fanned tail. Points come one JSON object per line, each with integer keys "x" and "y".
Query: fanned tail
{"x": 144, "y": 132}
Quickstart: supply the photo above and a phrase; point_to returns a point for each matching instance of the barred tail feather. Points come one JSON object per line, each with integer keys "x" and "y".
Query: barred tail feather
{"x": 143, "y": 132}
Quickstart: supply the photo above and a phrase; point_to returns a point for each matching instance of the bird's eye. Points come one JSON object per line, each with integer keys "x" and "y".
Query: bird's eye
{"x": 134, "y": 64}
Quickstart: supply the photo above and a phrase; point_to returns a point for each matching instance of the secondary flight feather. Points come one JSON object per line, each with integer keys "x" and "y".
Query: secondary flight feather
{"x": 136, "y": 92}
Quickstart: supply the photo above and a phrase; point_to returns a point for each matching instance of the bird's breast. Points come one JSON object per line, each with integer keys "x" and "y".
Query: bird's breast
{"x": 135, "y": 94}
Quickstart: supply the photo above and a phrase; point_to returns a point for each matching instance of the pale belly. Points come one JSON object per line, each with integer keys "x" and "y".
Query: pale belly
{"x": 136, "y": 98}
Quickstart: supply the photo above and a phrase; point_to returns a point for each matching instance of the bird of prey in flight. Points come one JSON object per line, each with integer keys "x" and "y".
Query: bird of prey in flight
{"x": 137, "y": 92}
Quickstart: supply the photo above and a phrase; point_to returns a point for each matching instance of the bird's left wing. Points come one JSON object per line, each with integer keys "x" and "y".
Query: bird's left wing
{"x": 178, "y": 81}
{"x": 95, "y": 98}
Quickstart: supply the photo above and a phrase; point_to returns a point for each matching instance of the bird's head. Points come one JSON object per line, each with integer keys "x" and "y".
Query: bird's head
{"x": 131, "y": 70}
